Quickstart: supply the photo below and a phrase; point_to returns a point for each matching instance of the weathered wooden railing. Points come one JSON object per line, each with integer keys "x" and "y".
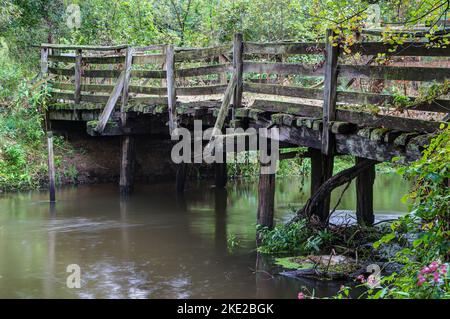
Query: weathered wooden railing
{"x": 331, "y": 120}
{"x": 161, "y": 74}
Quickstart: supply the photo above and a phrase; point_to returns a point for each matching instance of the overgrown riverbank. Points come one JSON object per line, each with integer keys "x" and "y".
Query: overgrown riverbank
{"x": 407, "y": 259}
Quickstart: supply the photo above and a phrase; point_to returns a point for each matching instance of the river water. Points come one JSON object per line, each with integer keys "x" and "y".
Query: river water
{"x": 155, "y": 245}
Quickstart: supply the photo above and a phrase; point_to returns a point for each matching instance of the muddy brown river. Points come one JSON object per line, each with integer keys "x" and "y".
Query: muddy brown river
{"x": 156, "y": 244}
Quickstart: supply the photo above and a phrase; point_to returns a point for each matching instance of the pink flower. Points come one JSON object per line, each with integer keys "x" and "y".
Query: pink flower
{"x": 301, "y": 295}
{"x": 436, "y": 276}
{"x": 425, "y": 270}
{"x": 372, "y": 281}
{"x": 443, "y": 269}
{"x": 434, "y": 266}
{"x": 361, "y": 278}
{"x": 421, "y": 280}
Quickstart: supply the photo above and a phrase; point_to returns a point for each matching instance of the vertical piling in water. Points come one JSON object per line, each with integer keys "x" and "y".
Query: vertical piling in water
{"x": 364, "y": 195}
{"x": 127, "y": 165}
{"x": 321, "y": 170}
{"x": 266, "y": 197}
{"x": 51, "y": 167}
{"x": 181, "y": 177}
{"x": 220, "y": 170}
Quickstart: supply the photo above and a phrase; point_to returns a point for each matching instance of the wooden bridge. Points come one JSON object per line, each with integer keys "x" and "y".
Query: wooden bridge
{"x": 131, "y": 91}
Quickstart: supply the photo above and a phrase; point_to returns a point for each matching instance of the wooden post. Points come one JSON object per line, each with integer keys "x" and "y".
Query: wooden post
{"x": 126, "y": 84}
{"x": 171, "y": 90}
{"x": 220, "y": 174}
{"x": 238, "y": 65}
{"x": 223, "y": 75}
{"x": 44, "y": 62}
{"x": 266, "y": 197}
{"x": 127, "y": 165}
{"x": 321, "y": 170}
{"x": 364, "y": 195}
{"x": 181, "y": 177}
{"x": 51, "y": 167}
{"x": 77, "y": 94}
{"x": 330, "y": 89}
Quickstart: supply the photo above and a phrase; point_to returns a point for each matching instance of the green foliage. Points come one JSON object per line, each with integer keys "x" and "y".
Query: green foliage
{"x": 424, "y": 233}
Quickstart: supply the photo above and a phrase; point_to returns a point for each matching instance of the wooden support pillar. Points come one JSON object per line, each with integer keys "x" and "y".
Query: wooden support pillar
{"x": 223, "y": 75}
{"x": 321, "y": 171}
{"x": 330, "y": 94}
{"x": 364, "y": 194}
{"x": 220, "y": 174}
{"x": 238, "y": 65}
{"x": 266, "y": 198}
{"x": 77, "y": 93}
{"x": 181, "y": 177}
{"x": 127, "y": 165}
{"x": 171, "y": 90}
{"x": 126, "y": 85}
{"x": 51, "y": 168}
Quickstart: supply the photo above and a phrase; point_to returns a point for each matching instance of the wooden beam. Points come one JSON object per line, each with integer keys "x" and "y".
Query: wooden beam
{"x": 171, "y": 89}
{"x": 112, "y": 100}
{"x": 282, "y": 68}
{"x": 77, "y": 93}
{"x": 126, "y": 83}
{"x": 127, "y": 165}
{"x": 321, "y": 171}
{"x": 83, "y": 47}
{"x": 266, "y": 198}
{"x": 238, "y": 65}
{"x": 330, "y": 93}
{"x": 364, "y": 194}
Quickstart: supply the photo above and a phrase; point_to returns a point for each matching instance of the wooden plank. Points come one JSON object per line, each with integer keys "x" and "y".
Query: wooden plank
{"x": 149, "y": 100}
{"x": 88, "y": 59}
{"x": 406, "y": 49}
{"x": 438, "y": 105}
{"x": 112, "y": 100}
{"x": 394, "y": 72}
{"x": 182, "y": 55}
{"x": 276, "y": 48}
{"x": 330, "y": 94}
{"x": 152, "y": 74}
{"x": 149, "y": 59}
{"x": 77, "y": 93}
{"x": 125, "y": 87}
{"x": 171, "y": 89}
{"x": 68, "y": 96}
{"x": 201, "y": 90}
{"x": 203, "y": 70}
{"x": 282, "y": 68}
{"x": 238, "y": 65}
{"x": 153, "y": 47}
{"x": 286, "y": 107}
{"x": 355, "y": 117}
{"x": 364, "y": 194}
{"x": 83, "y": 47}
{"x": 59, "y": 71}
{"x": 292, "y": 91}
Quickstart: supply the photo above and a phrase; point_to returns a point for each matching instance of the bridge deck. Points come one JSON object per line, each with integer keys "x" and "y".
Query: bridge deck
{"x": 316, "y": 93}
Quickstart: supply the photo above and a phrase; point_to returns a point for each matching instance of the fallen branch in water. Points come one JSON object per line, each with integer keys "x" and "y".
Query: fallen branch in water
{"x": 326, "y": 188}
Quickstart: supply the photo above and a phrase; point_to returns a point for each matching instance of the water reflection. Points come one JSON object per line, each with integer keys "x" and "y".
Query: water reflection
{"x": 154, "y": 244}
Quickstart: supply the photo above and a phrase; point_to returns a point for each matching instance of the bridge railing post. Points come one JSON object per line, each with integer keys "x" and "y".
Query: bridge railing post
{"x": 171, "y": 88}
{"x": 78, "y": 71}
{"x": 330, "y": 93}
{"x": 238, "y": 66}
{"x": 44, "y": 62}
{"x": 322, "y": 164}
